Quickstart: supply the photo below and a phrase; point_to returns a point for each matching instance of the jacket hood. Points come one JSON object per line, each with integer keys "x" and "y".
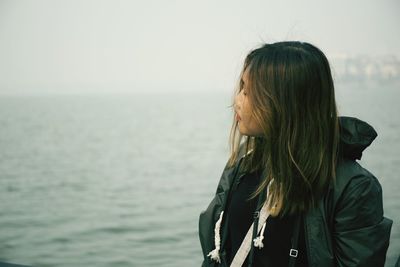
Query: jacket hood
{"x": 355, "y": 136}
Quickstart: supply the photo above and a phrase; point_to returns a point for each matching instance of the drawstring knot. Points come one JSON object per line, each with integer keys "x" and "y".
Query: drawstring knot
{"x": 258, "y": 241}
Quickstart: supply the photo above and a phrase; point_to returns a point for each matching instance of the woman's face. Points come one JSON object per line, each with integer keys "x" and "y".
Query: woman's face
{"x": 246, "y": 123}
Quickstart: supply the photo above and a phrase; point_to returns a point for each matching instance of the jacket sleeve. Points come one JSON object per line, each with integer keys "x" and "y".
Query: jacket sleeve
{"x": 208, "y": 217}
{"x": 360, "y": 232}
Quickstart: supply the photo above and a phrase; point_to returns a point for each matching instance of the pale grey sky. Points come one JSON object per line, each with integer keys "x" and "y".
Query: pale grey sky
{"x": 97, "y": 46}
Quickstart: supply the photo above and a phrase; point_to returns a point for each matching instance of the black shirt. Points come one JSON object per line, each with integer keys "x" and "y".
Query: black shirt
{"x": 277, "y": 234}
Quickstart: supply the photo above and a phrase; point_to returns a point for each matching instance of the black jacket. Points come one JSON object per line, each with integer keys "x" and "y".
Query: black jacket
{"x": 346, "y": 229}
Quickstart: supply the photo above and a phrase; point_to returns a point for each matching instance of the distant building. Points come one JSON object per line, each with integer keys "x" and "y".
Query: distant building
{"x": 366, "y": 68}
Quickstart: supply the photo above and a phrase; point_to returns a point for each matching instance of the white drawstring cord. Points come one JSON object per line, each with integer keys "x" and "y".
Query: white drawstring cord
{"x": 215, "y": 253}
{"x": 258, "y": 240}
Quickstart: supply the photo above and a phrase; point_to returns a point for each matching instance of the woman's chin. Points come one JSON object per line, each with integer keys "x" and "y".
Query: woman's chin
{"x": 244, "y": 132}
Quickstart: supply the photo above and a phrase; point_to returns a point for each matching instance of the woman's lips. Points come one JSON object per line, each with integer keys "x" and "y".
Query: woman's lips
{"x": 237, "y": 117}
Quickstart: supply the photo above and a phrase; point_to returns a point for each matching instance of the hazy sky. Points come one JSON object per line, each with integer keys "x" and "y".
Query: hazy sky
{"x": 79, "y": 46}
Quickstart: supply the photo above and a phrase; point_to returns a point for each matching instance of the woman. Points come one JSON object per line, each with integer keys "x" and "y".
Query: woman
{"x": 292, "y": 193}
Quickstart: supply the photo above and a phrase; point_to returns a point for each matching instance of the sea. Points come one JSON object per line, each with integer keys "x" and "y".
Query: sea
{"x": 119, "y": 179}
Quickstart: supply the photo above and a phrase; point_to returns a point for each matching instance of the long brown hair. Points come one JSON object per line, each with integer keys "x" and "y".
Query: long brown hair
{"x": 291, "y": 92}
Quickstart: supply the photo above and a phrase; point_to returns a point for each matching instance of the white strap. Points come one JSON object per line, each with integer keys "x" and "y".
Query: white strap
{"x": 244, "y": 248}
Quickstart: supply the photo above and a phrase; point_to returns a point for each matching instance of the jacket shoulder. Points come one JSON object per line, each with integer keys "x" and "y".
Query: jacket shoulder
{"x": 360, "y": 231}
{"x": 353, "y": 180}
{"x": 352, "y": 214}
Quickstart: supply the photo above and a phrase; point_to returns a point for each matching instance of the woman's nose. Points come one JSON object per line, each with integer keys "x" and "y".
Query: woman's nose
{"x": 235, "y": 107}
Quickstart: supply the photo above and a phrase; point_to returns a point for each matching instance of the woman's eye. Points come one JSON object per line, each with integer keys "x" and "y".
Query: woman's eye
{"x": 244, "y": 92}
